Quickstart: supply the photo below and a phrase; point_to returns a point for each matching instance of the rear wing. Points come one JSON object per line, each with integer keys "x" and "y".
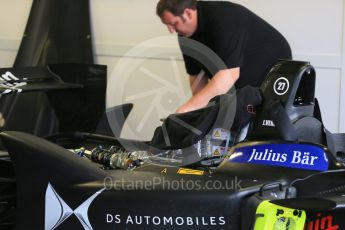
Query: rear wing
{"x": 28, "y": 79}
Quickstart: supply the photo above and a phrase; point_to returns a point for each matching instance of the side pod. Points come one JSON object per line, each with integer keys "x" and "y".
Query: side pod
{"x": 39, "y": 163}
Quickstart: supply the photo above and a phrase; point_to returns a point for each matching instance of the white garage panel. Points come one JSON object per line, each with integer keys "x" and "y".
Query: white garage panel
{"x": 13, "y": 17}
{"x": 327, "y": 93}
{"x": 7, "y": 58}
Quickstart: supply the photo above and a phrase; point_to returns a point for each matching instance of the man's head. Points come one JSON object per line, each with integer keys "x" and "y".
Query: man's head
{"x": 179, "y": 16}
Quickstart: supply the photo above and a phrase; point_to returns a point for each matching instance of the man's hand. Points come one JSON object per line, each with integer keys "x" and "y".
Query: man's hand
{"x": 187, "y": 107}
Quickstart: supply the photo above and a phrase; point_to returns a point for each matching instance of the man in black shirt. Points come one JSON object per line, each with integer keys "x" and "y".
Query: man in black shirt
{"x": 246, "y": 44}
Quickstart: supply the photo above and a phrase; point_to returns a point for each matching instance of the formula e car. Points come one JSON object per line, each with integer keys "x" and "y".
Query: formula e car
{"x": 226, "y": 166}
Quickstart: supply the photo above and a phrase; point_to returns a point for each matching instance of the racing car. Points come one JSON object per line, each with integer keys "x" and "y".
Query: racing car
{"x": 239, "y": 163}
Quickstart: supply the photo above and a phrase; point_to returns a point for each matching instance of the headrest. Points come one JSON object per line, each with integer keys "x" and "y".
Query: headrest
{"x": 288, "y": 96}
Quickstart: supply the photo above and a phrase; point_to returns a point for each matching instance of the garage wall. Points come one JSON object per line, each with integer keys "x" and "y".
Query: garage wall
{"x": 145, "y": 67}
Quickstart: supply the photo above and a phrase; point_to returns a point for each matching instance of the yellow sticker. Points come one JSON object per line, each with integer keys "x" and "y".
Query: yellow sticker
{"x": 216, "y": 153}
{"x": 216, "y": 134}
{"x": 185, "y": 171}
{"x": 164, "y": 170}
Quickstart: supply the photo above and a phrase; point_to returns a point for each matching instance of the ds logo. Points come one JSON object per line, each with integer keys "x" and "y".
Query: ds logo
{"x": 57, "y": 211}
{"x": 281, "y": 86}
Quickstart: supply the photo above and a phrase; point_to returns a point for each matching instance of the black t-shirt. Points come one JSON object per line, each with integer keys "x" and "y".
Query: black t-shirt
{"x": 239, "y": 37}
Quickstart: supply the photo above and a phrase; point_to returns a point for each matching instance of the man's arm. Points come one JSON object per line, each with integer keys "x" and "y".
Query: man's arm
{"x": 221, "y": 83}
{"x": 197, "y": 82}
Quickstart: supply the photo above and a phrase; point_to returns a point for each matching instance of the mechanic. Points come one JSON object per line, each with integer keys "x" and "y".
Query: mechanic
{"x": 247, "y": 44}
